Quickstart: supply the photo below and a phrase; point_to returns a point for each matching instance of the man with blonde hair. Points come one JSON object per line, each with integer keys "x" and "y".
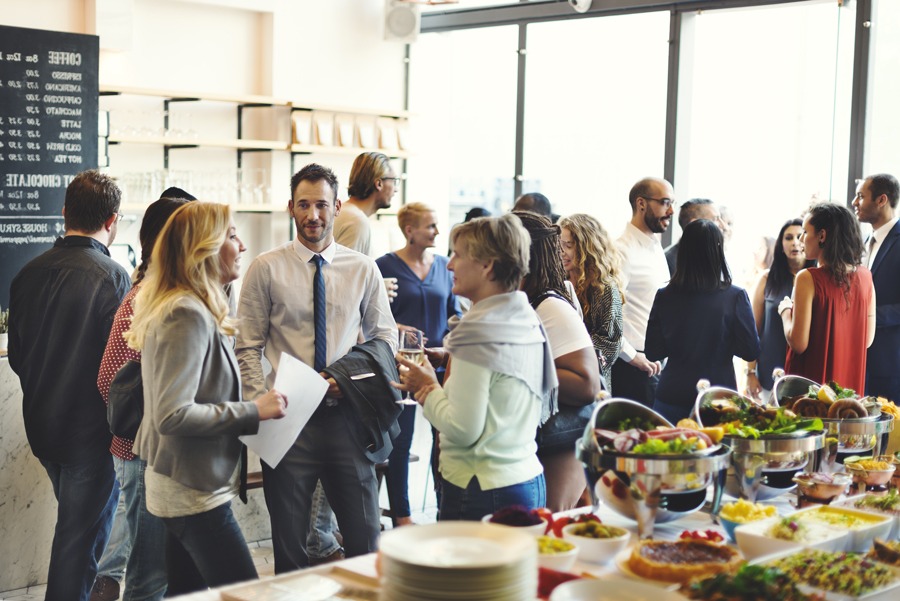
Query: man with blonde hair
{"x": 373, "y": 183}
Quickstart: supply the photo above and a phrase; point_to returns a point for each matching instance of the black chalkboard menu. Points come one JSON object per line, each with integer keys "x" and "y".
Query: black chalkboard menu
{"x": 48, "y": 133}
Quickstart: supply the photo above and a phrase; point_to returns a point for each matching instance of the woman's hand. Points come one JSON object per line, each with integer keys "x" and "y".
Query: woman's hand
{"x": 417, "y": 379}
{"x": 437, "y": 356}
{"x": 754, "y": 389}
{"x": 785, "y": 304}
{"x": 271, "y": 405}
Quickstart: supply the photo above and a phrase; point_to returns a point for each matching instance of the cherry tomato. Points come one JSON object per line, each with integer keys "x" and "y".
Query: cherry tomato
{"x": 707, "y": 535}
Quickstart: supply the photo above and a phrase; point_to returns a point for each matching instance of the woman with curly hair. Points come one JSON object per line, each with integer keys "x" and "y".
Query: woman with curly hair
{"x": 830, "y": 322}
{"x": 573, "y": 356}
{"x": 592, "y": 263}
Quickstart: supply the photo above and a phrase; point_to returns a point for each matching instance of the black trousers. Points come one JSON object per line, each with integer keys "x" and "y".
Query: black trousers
{"x": 629, "y": 382}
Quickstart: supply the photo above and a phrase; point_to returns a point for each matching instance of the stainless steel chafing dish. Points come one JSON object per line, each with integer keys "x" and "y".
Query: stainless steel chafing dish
{"x": 648, "y": 488}
{"x": 847, "y": 436}
{"x": 763, "y": 468}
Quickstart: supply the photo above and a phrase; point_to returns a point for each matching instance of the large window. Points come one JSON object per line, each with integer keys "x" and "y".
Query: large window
{"x": 595, "y": 111}
{"x": 883, "y": 128}
{"x": 463, "y": 98}
{"x": 764, "y": 113}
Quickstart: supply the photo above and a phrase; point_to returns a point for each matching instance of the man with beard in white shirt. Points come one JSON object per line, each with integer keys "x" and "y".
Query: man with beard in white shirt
{"x": 644, "y": 271}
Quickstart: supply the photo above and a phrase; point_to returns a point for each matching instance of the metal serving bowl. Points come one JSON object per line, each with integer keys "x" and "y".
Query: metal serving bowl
{"x": 763, "y": 468}
{"x": 848, "y": 436}
{"x": 647, "y": 488}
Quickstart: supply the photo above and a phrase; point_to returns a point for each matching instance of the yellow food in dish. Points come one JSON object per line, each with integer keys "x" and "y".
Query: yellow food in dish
{"x": 833, "y": 516}
{"x": 743, "y": 511}
{"x": 548, "y": 545}
{"x": 870, "y": 465}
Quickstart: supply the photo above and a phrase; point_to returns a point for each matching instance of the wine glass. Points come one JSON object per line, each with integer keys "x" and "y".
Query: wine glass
{"x": 412, "y": 348}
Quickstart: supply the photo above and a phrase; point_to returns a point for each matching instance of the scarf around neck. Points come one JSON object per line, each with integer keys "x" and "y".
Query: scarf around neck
{"x": 488, "y": 334}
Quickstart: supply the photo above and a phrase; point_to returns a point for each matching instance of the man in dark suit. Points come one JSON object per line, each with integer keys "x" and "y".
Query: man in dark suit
{"x": 875, "y": 202}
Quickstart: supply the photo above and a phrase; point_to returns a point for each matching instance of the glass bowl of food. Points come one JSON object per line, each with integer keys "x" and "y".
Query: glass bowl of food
{"x": 821, "y": 487}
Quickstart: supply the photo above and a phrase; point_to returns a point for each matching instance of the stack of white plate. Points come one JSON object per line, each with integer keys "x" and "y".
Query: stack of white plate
{"x": 458, "y": 561}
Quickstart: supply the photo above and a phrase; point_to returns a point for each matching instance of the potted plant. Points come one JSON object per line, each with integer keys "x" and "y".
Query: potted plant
{"x": 4, "y": 329}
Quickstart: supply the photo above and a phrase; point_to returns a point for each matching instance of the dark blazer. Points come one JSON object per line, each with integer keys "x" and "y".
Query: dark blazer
{"x": 883, "y": 357}
{"x": 672, "y": 258}
{"x": 370, "y": 402}
{"x": 700, "y": 333}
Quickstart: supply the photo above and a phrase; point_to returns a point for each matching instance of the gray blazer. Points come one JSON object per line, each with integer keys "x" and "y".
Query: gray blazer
{"x": 193, "y": 412}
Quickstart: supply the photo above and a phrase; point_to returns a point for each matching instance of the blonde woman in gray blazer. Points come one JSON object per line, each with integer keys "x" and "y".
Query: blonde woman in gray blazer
{"x": 193, "y": 411}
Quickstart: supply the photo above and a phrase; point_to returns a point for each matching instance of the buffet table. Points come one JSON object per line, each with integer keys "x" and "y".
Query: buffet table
{"x": 361, "y": 571}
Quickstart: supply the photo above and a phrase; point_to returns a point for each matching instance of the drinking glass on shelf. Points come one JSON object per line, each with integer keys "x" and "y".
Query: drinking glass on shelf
{"x": 412, "y": 348}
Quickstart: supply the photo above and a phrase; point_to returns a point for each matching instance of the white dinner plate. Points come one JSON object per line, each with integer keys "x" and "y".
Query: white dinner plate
{"x": 613, "y": 589}
{"x": 458, "y": 545}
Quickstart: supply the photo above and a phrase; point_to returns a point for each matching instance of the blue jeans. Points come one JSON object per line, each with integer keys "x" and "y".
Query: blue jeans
{"x": 398, "y": 464}
{"x": 321, "y": 542}
{"x": 472, "y": 503}
{"x": 206, "y": 550}
{"x": 86, "y": 494}
{"x": 138, "y": 538}
{"x": 115, "y": 557}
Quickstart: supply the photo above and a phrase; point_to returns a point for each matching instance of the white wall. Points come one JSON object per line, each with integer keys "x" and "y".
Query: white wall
{"x": 306, "y": 50}
{"x": 319, "y": 52}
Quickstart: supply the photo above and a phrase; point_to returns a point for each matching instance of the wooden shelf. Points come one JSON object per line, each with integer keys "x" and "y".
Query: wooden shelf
{"x": 345, "y": 150}
{"x": 235, "y": 143}
{"x": 249, "y": 99}
{"x": 138, "y": 208}
{"x": 182, "y": 95}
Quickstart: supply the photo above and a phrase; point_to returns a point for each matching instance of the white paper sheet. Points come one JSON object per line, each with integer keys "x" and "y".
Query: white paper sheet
{"x": 304, "y": 389}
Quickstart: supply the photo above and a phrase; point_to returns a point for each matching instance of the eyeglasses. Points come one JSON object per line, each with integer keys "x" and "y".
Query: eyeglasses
{"x": 119, "y": 217}
{"x": 666, "y": 202}
{"x": 394, "y": 179}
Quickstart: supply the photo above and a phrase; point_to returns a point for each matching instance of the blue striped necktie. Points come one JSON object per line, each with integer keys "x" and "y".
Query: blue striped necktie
{"x": 319, "y": 313}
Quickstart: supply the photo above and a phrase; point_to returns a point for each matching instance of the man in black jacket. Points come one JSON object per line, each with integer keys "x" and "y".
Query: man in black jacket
{"x": 62, "y": 306}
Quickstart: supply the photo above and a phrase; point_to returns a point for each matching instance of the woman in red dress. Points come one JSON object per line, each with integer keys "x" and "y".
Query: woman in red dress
{"x": 831, "y": 321}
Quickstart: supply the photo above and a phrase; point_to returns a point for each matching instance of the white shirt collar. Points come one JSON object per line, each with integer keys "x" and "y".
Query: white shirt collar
{"x": 882, "y": 232}
{"x": 644, "y": 239}
{"x": 306, "y": 254}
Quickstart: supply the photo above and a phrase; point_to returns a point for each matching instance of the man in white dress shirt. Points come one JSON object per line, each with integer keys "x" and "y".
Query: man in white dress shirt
{"x": 644, "y": 271}
{"x": 277, "y": 314}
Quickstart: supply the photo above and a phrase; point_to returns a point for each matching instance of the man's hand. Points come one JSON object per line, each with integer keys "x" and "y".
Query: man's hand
{"x": 334, "y": 390}
{"x": 651, "y": 368}
{"x": 390, "y": 285}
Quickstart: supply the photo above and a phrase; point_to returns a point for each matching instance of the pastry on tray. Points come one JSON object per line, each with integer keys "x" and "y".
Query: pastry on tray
{"x": 683, "y": 560}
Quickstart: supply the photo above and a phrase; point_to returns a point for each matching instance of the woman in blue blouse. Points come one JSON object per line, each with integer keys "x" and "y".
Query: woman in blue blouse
{"x": 700, "y": 321}
{"x": 424, "y": 302}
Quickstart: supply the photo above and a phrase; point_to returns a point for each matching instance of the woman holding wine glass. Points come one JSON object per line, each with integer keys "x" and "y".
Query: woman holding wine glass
{"x": 501, "y": 369}
{"x": 424, "y": 303}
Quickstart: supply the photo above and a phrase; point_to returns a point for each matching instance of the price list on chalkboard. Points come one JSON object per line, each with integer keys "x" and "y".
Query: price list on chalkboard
{"x": 48, "y": 133}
